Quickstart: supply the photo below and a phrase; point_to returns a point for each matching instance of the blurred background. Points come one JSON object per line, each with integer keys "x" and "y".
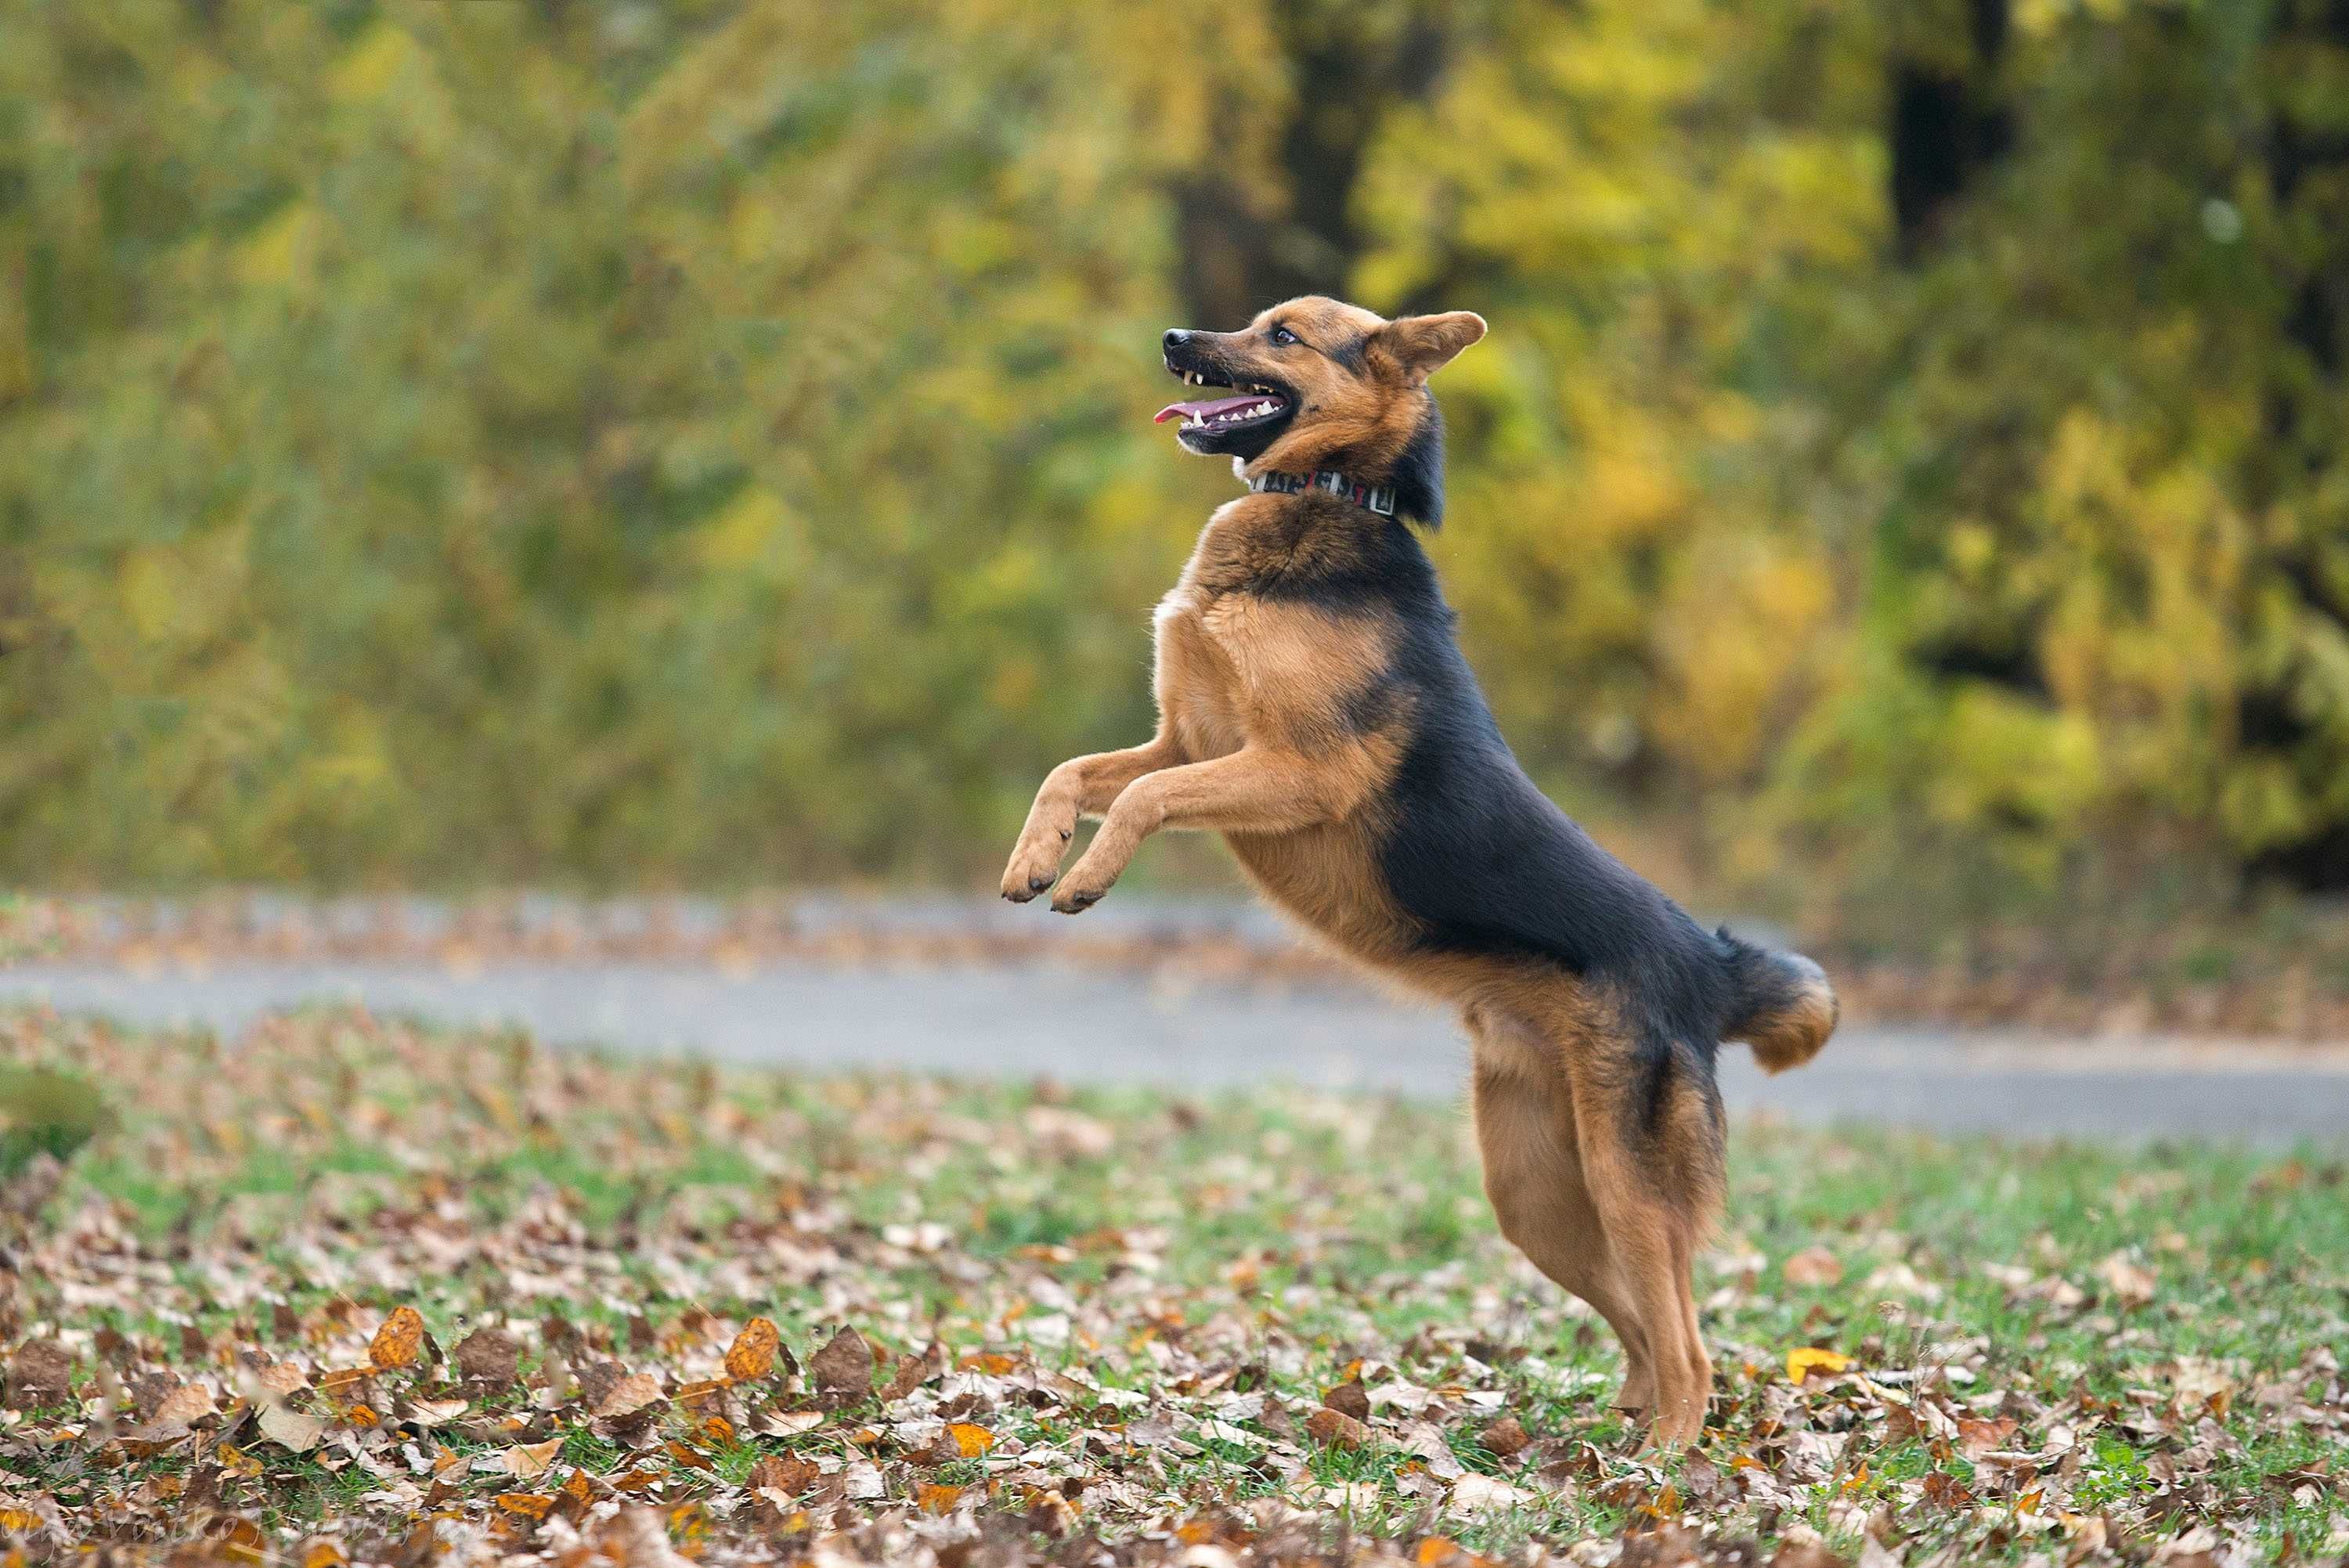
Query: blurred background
{"x": 704, "y": 446}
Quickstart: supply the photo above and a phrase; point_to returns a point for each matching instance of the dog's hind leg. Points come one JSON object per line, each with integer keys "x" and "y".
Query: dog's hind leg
{"x": 1532, "y": 1174}
{"x": 1649, "y": 1129}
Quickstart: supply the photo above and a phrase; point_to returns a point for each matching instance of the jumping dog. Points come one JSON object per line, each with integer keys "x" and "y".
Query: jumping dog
{"x": 1315, "y": 709}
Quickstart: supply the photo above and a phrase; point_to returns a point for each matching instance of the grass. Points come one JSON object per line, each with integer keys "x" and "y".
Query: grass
{"x": 44, "y": 1112}
{"x": 1140, "y": 1304}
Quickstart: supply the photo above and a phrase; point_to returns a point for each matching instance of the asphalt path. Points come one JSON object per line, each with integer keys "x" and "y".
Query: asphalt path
{"x": 1053, "y": 1019}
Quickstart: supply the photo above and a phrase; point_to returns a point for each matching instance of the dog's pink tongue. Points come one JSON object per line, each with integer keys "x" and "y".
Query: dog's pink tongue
{"x": 1207, "y": 410}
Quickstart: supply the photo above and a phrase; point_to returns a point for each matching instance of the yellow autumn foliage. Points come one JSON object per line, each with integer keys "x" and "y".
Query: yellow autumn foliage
{"x": 710, "y": 443}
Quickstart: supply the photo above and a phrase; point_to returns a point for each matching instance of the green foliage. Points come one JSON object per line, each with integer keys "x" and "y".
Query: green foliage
{"x": 45, "y": 1112}
{"x": 634, "y": 444}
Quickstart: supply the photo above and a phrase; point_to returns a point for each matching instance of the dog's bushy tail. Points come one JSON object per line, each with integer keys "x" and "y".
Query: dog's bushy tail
{"x": 1784, "y": 1006}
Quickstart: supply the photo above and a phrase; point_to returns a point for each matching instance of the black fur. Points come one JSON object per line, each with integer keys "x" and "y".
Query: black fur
{"x": 1485, "y": 862}
{"x": 1418, "y": 477}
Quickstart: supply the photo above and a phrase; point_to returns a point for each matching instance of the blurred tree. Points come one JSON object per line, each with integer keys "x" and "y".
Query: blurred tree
{"x": 1251, "y": 234}
{"x": 1947, "y": 118}
{"x": 707, "y": 442}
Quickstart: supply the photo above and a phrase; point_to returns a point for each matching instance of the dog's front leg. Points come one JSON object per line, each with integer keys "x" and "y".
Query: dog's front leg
{"x": 1257, "y": 789}
{"x": 1081, "y": 787}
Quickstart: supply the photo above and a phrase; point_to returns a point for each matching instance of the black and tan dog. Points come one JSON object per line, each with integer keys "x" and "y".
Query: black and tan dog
{"x": 1315, "y": 709}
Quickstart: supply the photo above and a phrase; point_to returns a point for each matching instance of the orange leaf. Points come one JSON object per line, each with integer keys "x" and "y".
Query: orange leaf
{"x": 399, "y": 1341}
{"x": 752, "y": 1354}
{"x": 322, "y": 1554}
{"x": 933, "y": 1498}
{"x": 529, "y": 1504}
{"x": 1806, "y": 1359}
{"x": 969, "y": 1440}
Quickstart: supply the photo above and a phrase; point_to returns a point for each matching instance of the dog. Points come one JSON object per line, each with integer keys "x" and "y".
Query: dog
{"x": 1315, "y": 709}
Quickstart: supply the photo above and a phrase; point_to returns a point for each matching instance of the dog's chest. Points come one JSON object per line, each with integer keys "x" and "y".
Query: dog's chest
{"x": 1198, "y": 686}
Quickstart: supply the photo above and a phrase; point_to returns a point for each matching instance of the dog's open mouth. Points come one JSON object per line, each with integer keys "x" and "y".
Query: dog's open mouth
{"x": 1255, "y": 405}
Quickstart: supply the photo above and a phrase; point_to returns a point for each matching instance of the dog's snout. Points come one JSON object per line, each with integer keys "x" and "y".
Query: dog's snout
{"x": 1176, "y": 338}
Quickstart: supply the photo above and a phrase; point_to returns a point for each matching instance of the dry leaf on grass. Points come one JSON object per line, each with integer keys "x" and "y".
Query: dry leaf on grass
{"x": 2130, "y": 1284}
{"x": 40, "y": 1373}
{"x": 1504, "y": 1436}
{"x": 627, "y": 1395}
{"x": 1814, "y": 1266}
{"x": 290, "y": 1430}
{"x": 786, "y": 1473}
{"x": 183, "y": 1405}
{"x": 398, "y": 1342}
{"x": 490, "y": 1355}
{"x": 1806, "y": 1360}
{"x": 1348, "y": 1398}
{"x": 752, "y": 1355}
{"x": 1336, "y": 1428}
{"x": 845, "y": 1366}
{"x": 527, "y": 1461}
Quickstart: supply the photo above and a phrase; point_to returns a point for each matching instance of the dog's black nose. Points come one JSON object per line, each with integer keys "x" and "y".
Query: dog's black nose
{"x": 1176, "y": 338}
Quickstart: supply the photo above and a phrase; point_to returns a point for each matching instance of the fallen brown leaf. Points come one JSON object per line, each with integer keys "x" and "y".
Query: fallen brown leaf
{"x": 290, "y": 1430}
{"x": 627, "y": 1395}
{"x": 527, "y": 1461}
{"x": 490, "y": 1355}
{"x": 1814, "y": 1266}
{"x": 845, "y": 1366}
{"x": 1336, "y": 1428}
{"x": 40, "y": 1373}
{"x": 1504, "y": 1436}
{"x": 1348, "y": 1398}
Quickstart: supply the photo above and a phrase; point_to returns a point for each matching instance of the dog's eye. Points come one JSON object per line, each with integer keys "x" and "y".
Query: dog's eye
{"x": 1282, "y": 337}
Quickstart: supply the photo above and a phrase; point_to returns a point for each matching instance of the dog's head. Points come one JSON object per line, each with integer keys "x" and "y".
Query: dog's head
{"x": 1317, "y": 384}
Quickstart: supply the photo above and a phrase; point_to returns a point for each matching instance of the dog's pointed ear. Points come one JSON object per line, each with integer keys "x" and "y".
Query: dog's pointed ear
{"x": 1423, "y": 345}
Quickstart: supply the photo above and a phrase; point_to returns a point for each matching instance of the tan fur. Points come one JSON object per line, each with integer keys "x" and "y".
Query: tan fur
{"x": 1794, "y": 1036}
{"x": 1262, "y": 736}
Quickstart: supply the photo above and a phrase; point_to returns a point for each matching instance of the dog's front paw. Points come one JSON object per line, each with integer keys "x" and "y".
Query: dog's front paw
{"x": 1082, "y": 888}
{"x": 1033, "y": 866}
